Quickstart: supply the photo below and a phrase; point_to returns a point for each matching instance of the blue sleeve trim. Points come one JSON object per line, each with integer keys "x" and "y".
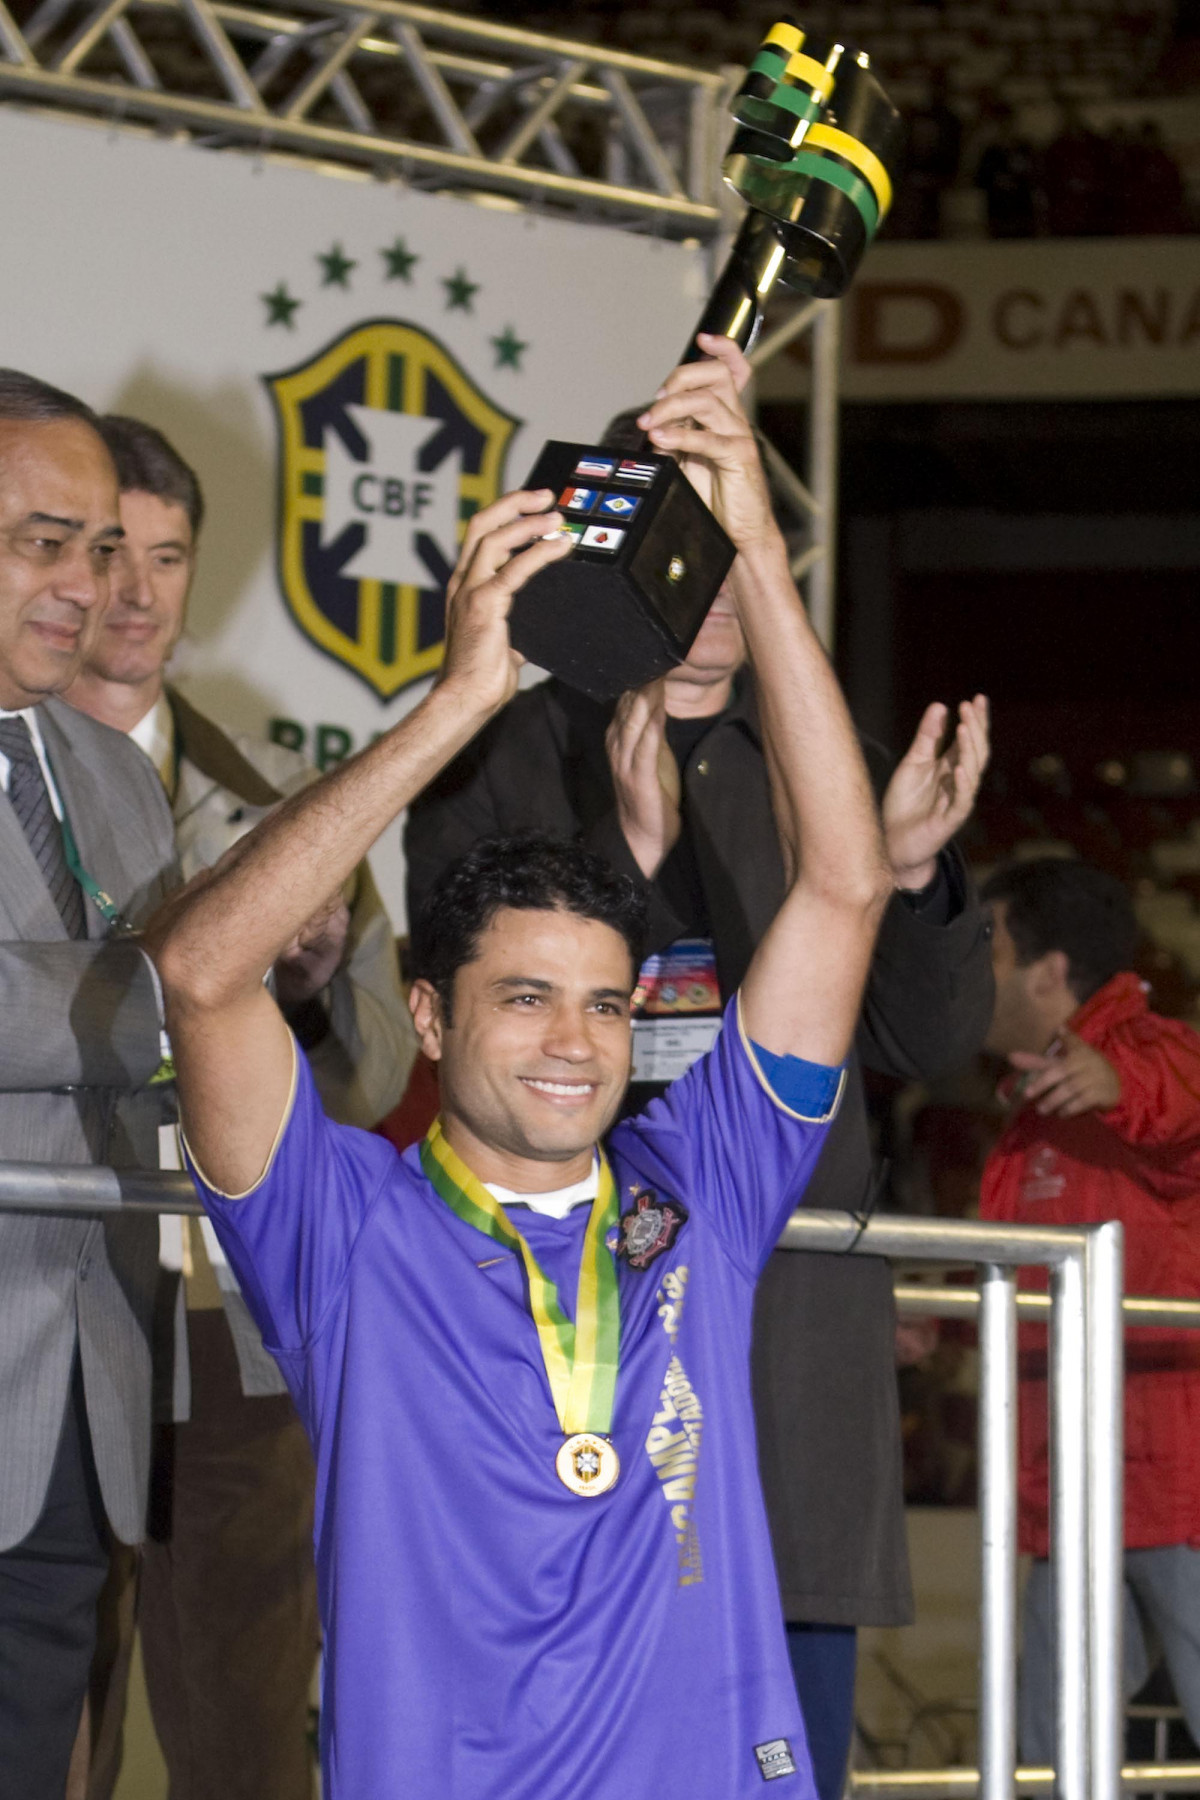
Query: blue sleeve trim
{"x": 810, "y": 1089}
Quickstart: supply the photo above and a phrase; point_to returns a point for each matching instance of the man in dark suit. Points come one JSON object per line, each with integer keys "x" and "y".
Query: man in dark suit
{"x": 86, "y": 850}
{"x": 672, "y": 787}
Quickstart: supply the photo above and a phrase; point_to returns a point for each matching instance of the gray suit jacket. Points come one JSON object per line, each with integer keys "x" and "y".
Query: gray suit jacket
{"x": 79, "y": 1038}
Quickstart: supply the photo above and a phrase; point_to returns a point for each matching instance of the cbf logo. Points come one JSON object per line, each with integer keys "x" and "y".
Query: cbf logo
{"x": 386, "y": 449}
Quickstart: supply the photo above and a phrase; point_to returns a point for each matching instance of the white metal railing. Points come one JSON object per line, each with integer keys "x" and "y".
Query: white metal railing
{"x": 964, "y": 1784}
{"x": 1086, "y": 1413}
{"x": 1158, "y": 1777}
{"x": 1084, "y": 1307}
{"x": 916, "y": 1300}
{"x": 87, "y": 1188}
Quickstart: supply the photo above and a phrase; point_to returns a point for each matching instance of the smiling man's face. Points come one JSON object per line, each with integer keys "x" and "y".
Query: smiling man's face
{"x": 152, "y": 573}
{"x": 59, "y": 529}
{"x": 535, "y": 1059}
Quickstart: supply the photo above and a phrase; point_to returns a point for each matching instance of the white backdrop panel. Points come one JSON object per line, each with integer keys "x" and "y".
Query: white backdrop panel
{"x": 135, "y": 274}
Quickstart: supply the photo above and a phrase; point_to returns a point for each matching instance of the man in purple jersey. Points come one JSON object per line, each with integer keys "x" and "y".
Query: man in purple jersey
{"x": 543, "y": 1558}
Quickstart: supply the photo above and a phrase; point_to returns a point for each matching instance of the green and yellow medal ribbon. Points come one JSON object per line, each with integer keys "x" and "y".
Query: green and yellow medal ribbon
{"x": 581, "y": 1359}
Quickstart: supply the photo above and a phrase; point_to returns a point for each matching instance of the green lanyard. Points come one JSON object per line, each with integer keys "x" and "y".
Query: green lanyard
{"x": 104, "y": 902}
{"x": 109, "y": 910}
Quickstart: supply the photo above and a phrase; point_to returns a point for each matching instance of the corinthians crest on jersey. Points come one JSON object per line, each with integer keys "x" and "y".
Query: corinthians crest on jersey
{"x": 386, "y": 449}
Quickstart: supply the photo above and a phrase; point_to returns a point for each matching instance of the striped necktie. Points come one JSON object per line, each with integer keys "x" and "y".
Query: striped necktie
{"x": 30, "y": 800}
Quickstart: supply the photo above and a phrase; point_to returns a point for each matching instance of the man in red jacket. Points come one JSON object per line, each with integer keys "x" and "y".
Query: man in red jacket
{"x": 1105, "y": 1124}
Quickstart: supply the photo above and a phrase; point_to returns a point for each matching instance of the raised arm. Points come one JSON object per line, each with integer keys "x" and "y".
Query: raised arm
{"x": 802, "y": 992}
{"x": 216, "y": 941}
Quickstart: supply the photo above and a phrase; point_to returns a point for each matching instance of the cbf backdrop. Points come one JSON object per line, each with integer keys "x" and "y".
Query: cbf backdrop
{"x": 352, "y": 368}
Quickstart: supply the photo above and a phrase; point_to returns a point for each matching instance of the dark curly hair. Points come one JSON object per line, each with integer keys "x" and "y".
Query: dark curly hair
{"x": 532, "y": 872}
{"x": 1055, "y": 903}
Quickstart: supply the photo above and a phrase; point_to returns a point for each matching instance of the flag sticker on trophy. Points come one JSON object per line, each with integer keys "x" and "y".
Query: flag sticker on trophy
{"x": 619, "y": 506}
{"x": 602, "y": 537}
{"x": 579, "y": 499}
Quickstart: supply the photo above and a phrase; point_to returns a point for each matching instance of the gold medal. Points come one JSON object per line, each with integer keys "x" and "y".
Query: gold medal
{"x": 587, "y": 1464}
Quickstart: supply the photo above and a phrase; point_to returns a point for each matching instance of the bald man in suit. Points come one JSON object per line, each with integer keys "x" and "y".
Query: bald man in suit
{"x": 86, "y": 852}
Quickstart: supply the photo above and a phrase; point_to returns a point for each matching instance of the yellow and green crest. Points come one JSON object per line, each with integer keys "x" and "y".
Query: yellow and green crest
{"x": 386, "y": 448}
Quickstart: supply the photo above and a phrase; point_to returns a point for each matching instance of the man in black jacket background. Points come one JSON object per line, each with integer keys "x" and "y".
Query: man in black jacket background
{"x": 671, "y": 786}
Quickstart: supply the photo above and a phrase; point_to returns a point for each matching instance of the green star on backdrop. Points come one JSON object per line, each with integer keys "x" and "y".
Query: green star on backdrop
{"x": 509, "y": 349}
{"x": 459, "y": 291}
{"x": 337, "y": 266}
{"x": 400, "y": 261}
{"x": 280, "y": 306}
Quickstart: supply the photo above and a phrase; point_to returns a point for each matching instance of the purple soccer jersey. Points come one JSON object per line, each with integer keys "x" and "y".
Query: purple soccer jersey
{"x": 488, "y": 1634}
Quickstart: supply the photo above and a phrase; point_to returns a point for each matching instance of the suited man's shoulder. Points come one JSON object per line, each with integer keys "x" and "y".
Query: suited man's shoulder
{"x": 110, "y": 757}
{"x": 88, "y": 737}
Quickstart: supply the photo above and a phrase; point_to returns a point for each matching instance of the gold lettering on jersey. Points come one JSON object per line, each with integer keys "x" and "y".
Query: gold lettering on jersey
{"x": 673, "y": 1441}
{"x": 670, "y": 1300}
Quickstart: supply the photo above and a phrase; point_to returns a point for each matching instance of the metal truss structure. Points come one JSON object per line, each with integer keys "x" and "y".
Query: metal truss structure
{"x": 445, "y": 102}
{"x": 442, "y": 99}
{"x": 815, "y": 500}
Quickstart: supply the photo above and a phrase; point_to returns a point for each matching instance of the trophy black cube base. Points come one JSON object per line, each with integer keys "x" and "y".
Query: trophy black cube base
{"x": 625, "y": 605}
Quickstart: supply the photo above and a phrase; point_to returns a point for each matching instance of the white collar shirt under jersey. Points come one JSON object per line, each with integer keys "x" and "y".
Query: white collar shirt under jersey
{"x": 555, "y": 1205}
{"x": 29, "y": 714}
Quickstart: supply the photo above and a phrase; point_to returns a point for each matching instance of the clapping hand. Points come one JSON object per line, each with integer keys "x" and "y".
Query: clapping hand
{"x": 930, "y": 795}
{"x": 314, "y": 956}
{"x": 645, "y": 776}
